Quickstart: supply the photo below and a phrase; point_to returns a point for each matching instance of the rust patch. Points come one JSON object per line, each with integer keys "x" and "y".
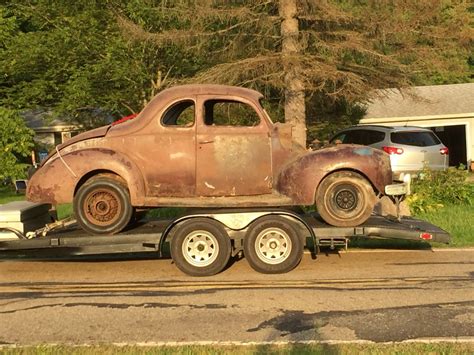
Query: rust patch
{"x": 38, "y": 194}
{"x": 106, "y": 151}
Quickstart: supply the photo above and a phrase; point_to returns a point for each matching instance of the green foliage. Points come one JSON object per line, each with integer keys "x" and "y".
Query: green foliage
{"x": 435, "y": 189}
{"x": 91, "y": 61}
{"x": 71, "y": 58}
{"x": 325, "y": 118}
{"x": 16, "y": 141}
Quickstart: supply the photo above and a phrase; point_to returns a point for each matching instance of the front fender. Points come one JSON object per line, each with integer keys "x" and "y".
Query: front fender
{"x": 56, "y": 181}
{"x": 300, "y": 178}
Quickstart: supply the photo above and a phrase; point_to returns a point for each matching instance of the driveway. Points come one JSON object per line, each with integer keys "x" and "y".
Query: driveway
{"x": 377, "y": 295}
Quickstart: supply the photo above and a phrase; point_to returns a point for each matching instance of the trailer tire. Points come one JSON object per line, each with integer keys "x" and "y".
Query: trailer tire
{"x": 345, "y": 199}
{"x": 200, "y": 247}
{"x": 272, "y": 245}
{"x": 102, "y": 206}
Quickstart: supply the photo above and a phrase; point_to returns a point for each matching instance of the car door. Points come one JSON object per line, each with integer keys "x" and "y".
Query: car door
{"x": 233, "y": 151}
{"x": 168, "y": 151}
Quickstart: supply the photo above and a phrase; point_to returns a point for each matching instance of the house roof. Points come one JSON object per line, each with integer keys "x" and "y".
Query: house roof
{"x": 41, "y": 120}
{"x": 435, "y": 100}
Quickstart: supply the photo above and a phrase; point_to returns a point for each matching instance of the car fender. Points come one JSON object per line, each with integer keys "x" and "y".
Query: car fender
{"x": 300, "y": 178}
{"x": 57, "y": 180}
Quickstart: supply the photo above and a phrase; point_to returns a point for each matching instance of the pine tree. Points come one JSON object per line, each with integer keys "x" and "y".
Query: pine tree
{"x": 295, "y": 47}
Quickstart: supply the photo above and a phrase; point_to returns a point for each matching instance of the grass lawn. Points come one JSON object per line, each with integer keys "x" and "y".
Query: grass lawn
{"x": 458, "y": 220}
{"x": 410, "y": 348}
{"x": 7, "y": 194}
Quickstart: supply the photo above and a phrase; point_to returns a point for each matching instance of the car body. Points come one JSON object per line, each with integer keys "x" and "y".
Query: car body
{"x": 411, "y": 149}
{"x": 202, "y": 146}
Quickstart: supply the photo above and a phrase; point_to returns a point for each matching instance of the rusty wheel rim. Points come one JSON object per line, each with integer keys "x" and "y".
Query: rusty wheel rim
{"x": 102, "y": 207}
{"x": 346, "y": 199}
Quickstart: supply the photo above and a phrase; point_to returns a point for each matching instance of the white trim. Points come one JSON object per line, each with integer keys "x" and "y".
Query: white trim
{"x": 65, "y": 164}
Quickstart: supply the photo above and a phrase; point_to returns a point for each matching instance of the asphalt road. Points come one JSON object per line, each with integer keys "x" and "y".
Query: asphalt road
{"x": 376, "y": 296}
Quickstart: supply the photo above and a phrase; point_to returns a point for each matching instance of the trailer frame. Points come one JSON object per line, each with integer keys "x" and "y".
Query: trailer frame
{"x": 153, "y": 236}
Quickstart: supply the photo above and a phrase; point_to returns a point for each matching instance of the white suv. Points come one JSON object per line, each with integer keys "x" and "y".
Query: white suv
{"x": 410, "y": 148}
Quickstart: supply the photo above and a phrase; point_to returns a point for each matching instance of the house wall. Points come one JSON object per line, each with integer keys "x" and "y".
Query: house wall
{"x": 433, "y": 121}
{"x": 51, "y": 138}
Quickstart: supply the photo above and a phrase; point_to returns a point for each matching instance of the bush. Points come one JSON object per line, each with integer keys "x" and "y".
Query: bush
{"x": 435, "y": 189}
{"x": 16, "y": 142}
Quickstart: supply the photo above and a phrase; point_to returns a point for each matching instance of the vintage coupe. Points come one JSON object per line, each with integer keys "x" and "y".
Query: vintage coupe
{"x": 207, "y": 146}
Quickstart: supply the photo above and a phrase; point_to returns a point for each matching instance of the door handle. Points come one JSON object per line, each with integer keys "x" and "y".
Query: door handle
{"x": 206, "y": 142}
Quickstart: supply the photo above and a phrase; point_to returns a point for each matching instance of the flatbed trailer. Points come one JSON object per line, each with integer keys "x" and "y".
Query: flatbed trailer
{"x": 201, "y": 242}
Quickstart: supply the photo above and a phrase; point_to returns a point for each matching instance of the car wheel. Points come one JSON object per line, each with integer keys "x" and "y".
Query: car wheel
{"x": 345, "y": 199}
{"x": 200, "y": 247}
{"x": 102, "y": 206}
{"x": 272, "y": 245}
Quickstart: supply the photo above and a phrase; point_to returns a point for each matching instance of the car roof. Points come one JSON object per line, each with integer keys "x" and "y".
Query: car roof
{"x": 210, "y": 89}
{"x": 386, "y": 128}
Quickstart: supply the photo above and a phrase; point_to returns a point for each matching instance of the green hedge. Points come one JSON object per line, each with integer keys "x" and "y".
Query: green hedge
{"x": 435, "y": 189}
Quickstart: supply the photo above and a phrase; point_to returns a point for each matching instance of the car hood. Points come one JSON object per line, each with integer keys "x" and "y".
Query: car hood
{"x": 93, "y": 133}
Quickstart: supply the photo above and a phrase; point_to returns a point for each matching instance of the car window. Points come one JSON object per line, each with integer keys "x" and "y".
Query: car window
{"x": 415, "y": 138}
{"x": 179, "y": 114}
{"x": 347, "y": 137}
{"x": 372, "y": 137}
{"x": 229, "y": 113}
{"x": 339, "y": 137}
{"x": 360, "y": 136}
{"x": 354, "y": 137}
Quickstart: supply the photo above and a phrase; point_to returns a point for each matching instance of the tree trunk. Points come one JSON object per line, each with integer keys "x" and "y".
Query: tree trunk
{"x": 294, "y": 92}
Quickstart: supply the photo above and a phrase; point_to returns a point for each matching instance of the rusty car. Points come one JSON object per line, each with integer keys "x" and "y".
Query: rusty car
{"x": 207, "y": 146}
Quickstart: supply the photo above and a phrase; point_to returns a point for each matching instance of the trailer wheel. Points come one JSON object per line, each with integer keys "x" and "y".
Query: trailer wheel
{"x": 200, "y": 247}
{"x": 102, "y": 206}
{"x": 272, "y": 245}
{"x": 345, "y": 199}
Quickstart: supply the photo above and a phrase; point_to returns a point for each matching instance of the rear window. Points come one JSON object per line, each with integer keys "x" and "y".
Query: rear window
{"x": 417, "y": 139}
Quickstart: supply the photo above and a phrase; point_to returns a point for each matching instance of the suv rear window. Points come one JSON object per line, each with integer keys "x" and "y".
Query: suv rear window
{"x": 415, "y": 138}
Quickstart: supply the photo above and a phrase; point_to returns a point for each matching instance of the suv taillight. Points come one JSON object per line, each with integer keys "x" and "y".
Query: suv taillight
{"x": 393, "y": 150}
{"x": 444, "y": 151}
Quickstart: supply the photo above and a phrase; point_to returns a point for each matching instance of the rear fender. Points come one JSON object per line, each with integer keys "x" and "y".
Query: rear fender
{"x": 57, "y": 180}
{"x": 300, "y": 179}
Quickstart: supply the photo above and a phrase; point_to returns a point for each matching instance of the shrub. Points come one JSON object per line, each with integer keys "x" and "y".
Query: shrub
{"x": 16, "y": 142}
{"x": 435, "y": 189}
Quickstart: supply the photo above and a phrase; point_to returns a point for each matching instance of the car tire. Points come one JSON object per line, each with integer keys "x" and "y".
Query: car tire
{"x": 102, "y": 206}
{"x": 345, "y": 199}
{"x": 272, "y": 245}
{"x": 200, "y": 247}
